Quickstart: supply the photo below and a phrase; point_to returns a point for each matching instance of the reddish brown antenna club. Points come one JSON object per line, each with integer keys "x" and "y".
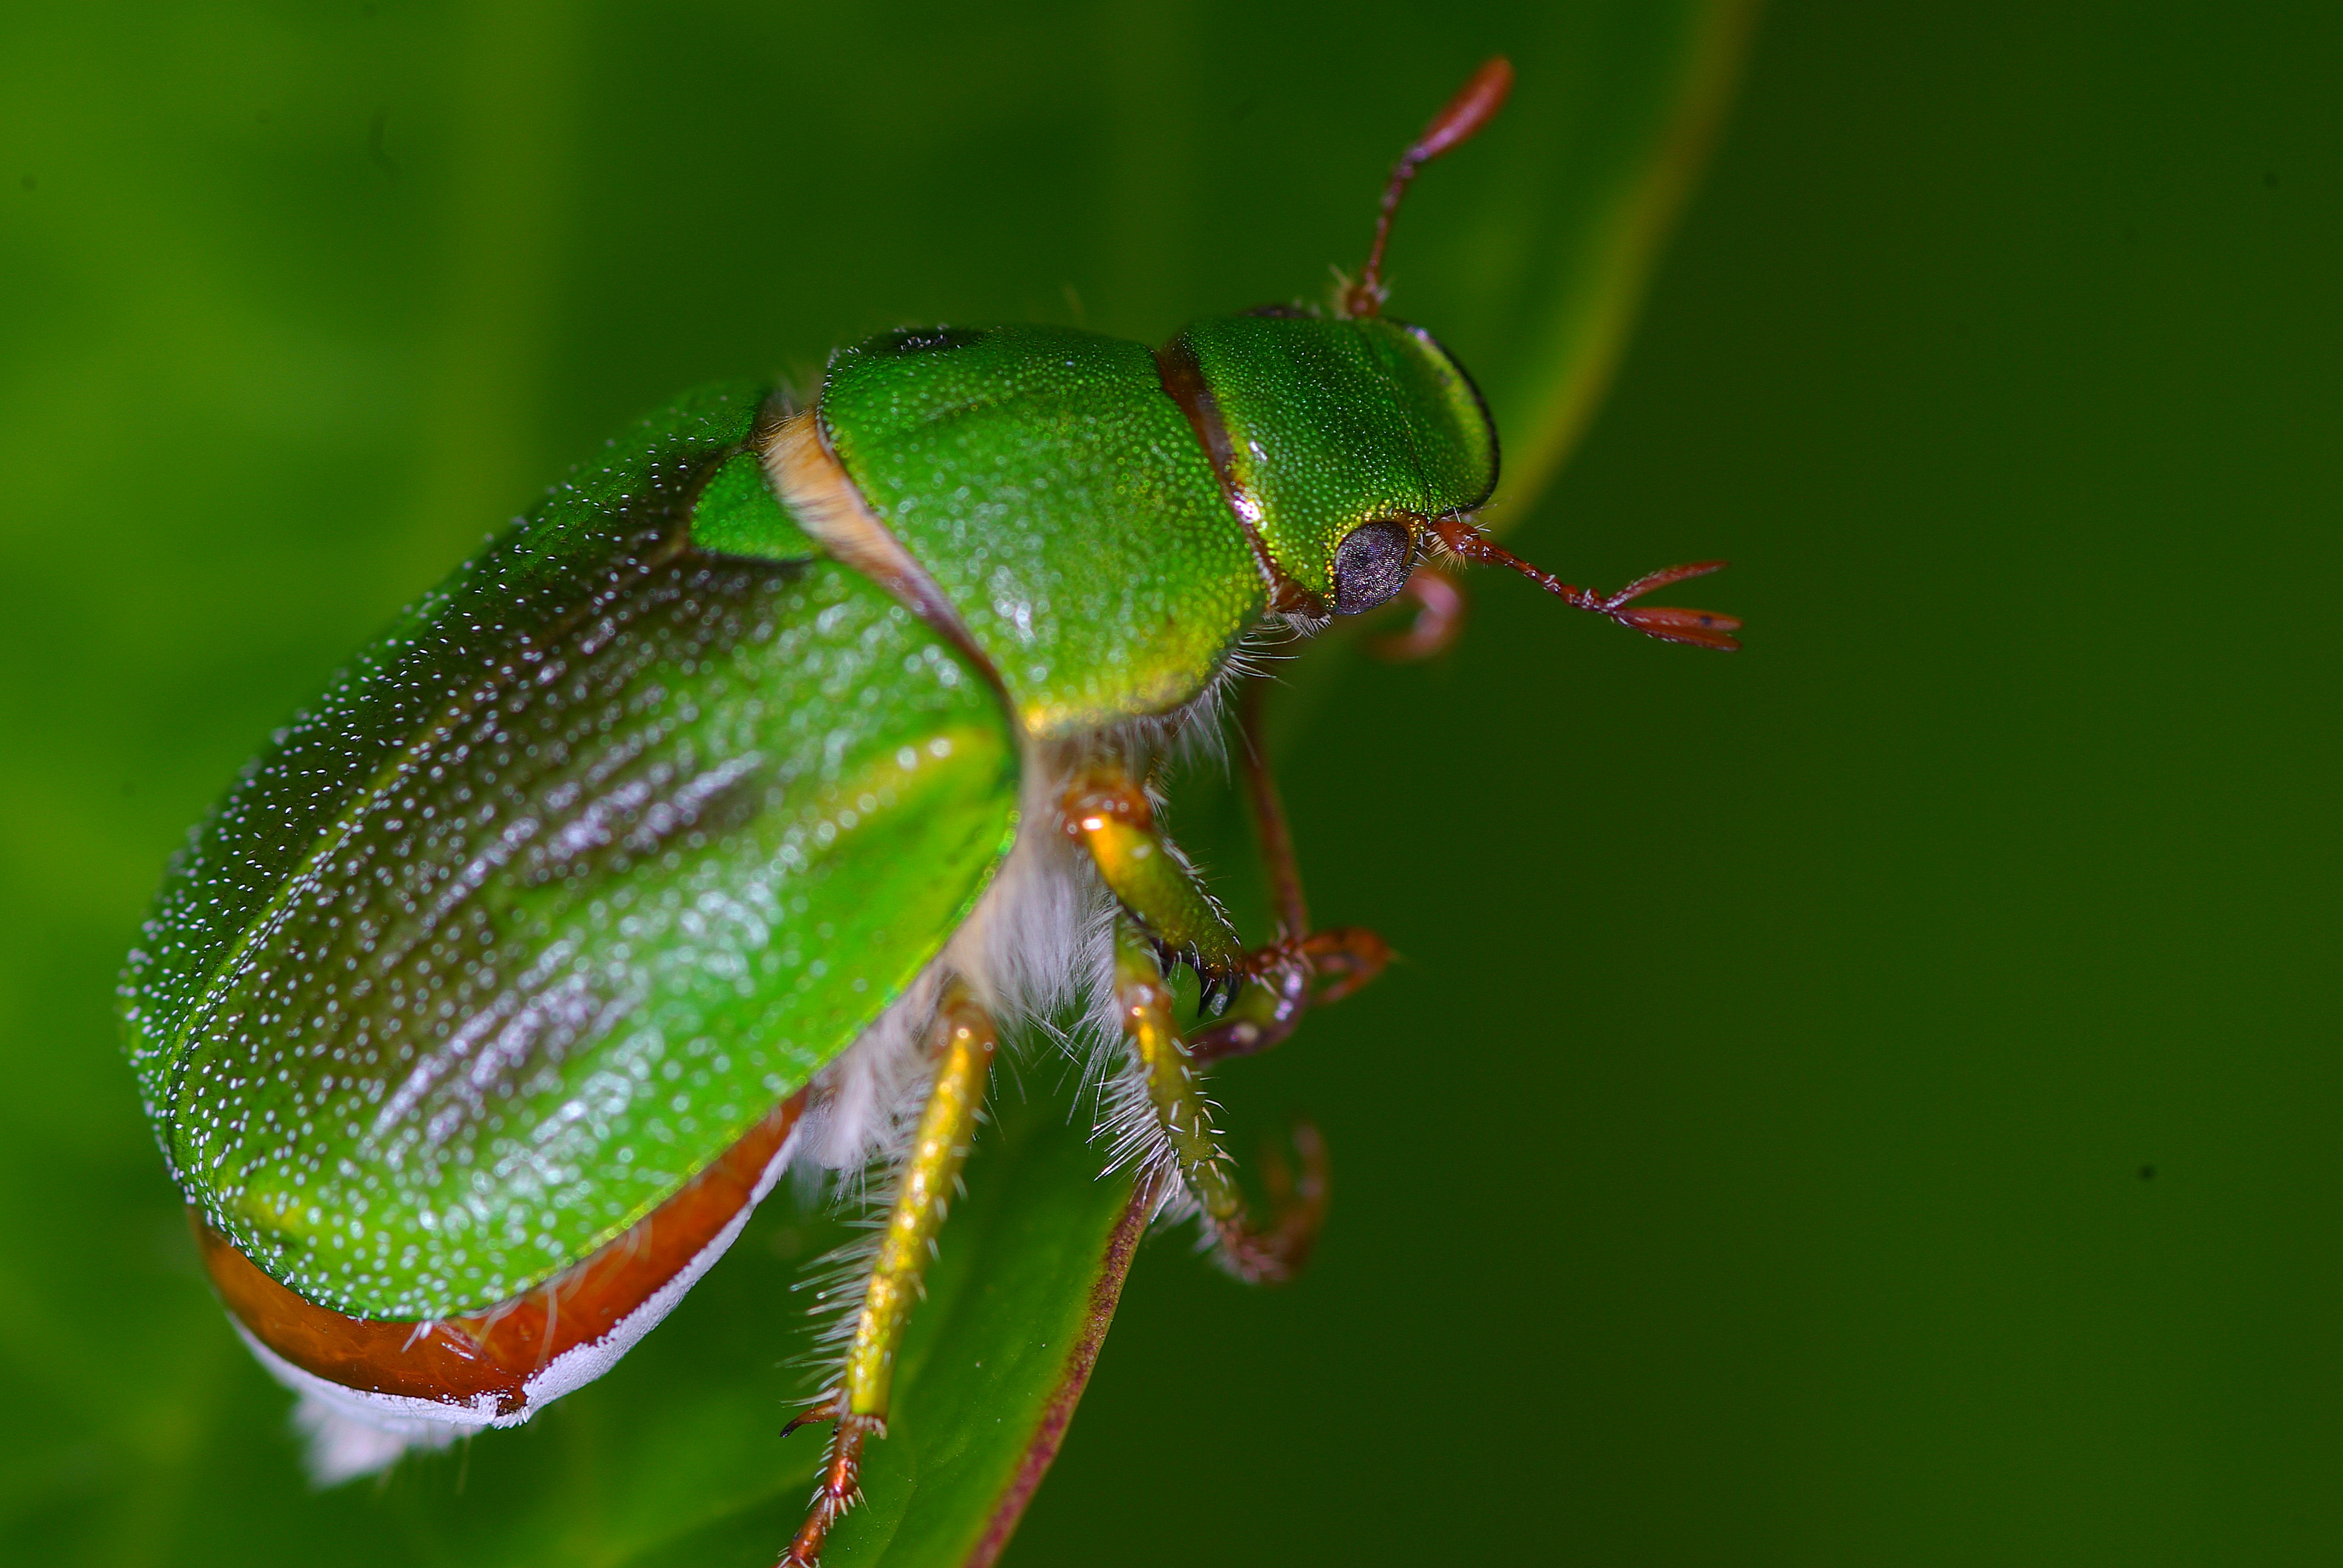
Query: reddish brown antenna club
{"x": 1475, "y": 104}
{"x": 1700, "y": 628}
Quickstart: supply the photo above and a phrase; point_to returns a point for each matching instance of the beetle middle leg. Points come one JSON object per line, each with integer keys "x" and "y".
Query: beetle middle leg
{"x": 1165, "y": 911}
{"x": 1175, "y": 1091}
{"x": 962, "y": 1040}
{"x": 1266, "y": 989}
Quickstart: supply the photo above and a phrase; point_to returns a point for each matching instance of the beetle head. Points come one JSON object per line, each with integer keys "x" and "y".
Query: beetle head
{"x": 1351, "y": 446}
{"x": 1337, "y": 441}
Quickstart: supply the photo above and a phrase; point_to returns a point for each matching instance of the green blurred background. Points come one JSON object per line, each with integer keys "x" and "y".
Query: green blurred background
{"x": 1874, "y": 1100}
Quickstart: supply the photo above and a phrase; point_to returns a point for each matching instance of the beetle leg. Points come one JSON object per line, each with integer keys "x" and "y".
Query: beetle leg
{"x": 827, "y": 1409}
{"x": 962, "y": 1038}
{"x": 1279, "y": 863}
{"x": 1109, "y": 814}
{"x": 1298, "y": 970}
{"x": 1287, "y": 979}
{"x": 1439, "y": 602}
{"x": 1143, "y": 1002}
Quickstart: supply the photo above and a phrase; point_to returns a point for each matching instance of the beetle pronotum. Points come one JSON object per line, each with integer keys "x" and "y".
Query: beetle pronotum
{"x": 754, "y": 785}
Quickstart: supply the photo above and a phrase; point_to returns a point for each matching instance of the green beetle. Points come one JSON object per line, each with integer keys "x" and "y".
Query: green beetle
{"x": 721, "y": 815}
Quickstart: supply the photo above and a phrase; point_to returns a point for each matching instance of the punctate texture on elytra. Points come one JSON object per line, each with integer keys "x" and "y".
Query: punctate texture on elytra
{"x": 599, "y": 853}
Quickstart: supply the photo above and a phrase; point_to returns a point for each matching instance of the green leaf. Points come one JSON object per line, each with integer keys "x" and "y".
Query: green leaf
{"x": 300, "y": 304}
{"x": 1016, "y": 1309}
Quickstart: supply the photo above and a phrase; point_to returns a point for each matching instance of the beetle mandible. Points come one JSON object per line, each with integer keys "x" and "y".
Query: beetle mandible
{"x": 756, "y": 783}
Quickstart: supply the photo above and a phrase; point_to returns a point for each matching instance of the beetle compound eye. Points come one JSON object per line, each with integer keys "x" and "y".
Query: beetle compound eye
{"x": 1371, "y": 564}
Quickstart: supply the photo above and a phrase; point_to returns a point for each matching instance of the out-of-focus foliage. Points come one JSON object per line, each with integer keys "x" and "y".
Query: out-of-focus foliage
{"x": 297, "y": 303}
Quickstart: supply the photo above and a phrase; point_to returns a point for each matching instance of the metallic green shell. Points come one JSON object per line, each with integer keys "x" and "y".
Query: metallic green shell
{"x": 598, "y": 854}
{"x": 1060, "y": 499}
{"x": 1332, "y": 422}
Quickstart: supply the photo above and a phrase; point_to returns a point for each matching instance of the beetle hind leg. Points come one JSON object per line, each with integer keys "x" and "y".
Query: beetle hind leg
{"x": 962, "y": 1041}
{"x": 839, "y": 1488}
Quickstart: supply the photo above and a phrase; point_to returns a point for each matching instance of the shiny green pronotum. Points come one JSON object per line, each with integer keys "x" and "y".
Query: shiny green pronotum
{"x": 732, "y": 809}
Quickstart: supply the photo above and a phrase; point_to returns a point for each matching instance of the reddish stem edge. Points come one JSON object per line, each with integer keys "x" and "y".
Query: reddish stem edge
{"x": 1106, "y": 1291}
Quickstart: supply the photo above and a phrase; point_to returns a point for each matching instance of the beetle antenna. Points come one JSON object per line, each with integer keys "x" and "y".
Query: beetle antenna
{"x": 1700, "y": 628}
{"x": 1475, "y": 104}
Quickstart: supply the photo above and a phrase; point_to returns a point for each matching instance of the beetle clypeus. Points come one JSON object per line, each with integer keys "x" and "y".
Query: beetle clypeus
{"x": 746, "y": 790}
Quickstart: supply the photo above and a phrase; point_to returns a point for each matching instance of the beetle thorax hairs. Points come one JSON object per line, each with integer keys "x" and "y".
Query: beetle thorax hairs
{"x": 1038, "y": 951}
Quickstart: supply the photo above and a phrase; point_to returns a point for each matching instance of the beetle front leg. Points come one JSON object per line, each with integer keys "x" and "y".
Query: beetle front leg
{"x": 1286, "y": 980}
{"x": 1302, "y": 968}
{"x": 1169, "y": 1068}
{"x": 1438, "y": 607}
{"x": 962, "y": 1040}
